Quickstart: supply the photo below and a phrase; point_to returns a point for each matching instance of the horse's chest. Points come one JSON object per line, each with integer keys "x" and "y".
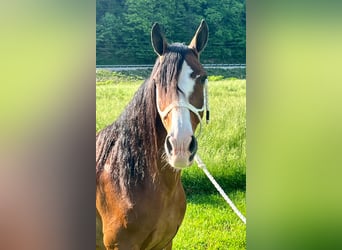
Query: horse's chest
{"x": 160, "y": 217}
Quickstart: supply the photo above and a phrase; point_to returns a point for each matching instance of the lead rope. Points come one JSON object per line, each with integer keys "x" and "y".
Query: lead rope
{"x": 204, "y": 168}
{"x": 197, "y": 158}
{"x": 219, "y": 189}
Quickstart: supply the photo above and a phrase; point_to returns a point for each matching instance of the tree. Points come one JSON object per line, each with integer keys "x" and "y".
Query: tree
{"x": 123, "y": 28}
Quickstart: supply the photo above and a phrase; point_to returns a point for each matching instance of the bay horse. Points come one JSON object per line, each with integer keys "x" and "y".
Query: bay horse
{"x": 140, "y": 200}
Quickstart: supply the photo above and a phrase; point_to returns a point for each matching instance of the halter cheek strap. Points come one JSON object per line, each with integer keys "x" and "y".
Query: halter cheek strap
{"x": 206, "y": 101}
{"x": 184, "y": 104}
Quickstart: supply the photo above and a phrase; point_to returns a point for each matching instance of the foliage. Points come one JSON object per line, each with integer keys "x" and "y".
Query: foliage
{"x": 215, "y": 77}
{"x": 123, "y": 28}
{"x": 209, "y": 222}
{"x": 113, "y": 77}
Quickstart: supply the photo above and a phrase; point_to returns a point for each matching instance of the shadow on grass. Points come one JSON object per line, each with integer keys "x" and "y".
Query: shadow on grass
{"x": 200, "y": 190}
{"x": 195, "y": 183}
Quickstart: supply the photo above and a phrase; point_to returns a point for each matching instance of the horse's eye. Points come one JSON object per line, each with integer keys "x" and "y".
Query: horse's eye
{"x": 202, "y": 79}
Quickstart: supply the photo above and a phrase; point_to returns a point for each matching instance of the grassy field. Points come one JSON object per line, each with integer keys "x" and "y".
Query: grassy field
{"x": 209, "y": 222}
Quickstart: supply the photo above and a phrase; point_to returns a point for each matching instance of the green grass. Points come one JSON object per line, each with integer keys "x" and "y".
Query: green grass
{"x": 209, "y": 222}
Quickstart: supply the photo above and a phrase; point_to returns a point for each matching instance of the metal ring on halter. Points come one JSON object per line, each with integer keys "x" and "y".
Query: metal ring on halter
{"x": 183, "y": 104}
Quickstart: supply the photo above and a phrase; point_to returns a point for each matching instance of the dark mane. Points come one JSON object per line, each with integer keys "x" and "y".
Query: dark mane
{"x": 129, "y": 145}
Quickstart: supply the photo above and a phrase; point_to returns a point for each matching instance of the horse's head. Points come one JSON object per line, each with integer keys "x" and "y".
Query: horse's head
{"x": 181, "y": 82}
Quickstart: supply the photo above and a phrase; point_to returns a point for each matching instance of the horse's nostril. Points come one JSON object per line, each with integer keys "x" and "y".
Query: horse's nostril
{"x": 168, "y": 144}
{"x": 193, "y": 145}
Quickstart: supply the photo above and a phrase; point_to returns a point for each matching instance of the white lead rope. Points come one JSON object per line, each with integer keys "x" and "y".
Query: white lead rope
{"x": 213, "y": 181}
{"x": 185, "y": 104}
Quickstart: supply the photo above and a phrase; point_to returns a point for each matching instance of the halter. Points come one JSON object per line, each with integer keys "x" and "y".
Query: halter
{"x": 185, "y": 104}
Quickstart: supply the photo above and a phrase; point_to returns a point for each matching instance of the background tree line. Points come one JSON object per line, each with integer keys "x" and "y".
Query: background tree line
{"x": 123, "y": 28}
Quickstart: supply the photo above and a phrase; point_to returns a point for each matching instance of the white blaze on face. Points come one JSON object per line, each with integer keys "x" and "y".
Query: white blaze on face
{"x": 181, "y": 128}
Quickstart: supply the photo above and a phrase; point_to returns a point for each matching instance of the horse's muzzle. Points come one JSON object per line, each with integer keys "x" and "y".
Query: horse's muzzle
{"x": 180, "y": 153}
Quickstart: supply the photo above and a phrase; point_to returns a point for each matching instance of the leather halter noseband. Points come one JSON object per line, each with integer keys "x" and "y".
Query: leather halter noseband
{"x": 185, "y": 104}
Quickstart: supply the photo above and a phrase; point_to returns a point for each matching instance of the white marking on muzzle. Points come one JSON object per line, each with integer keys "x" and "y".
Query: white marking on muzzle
{"x": 181, "y": 133}
{"x": 181, "y": 123}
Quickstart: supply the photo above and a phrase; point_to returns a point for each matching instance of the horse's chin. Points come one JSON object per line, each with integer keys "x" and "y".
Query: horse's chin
{"x": 179, "y": 162}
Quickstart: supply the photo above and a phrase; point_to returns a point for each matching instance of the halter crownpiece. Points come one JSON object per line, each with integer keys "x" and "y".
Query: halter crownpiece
{"x": 185, "y": 104}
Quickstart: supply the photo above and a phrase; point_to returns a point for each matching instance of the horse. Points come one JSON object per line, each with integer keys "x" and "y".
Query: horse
{"x": 140, "y": 200}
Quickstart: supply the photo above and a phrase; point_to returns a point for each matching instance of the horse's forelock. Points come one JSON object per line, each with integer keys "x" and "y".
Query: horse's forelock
{"x": 168, "y": 67}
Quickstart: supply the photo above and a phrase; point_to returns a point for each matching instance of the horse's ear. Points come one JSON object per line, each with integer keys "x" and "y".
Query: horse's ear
{"x": 159, "y": 42}
{"x": 200, "y": 39}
